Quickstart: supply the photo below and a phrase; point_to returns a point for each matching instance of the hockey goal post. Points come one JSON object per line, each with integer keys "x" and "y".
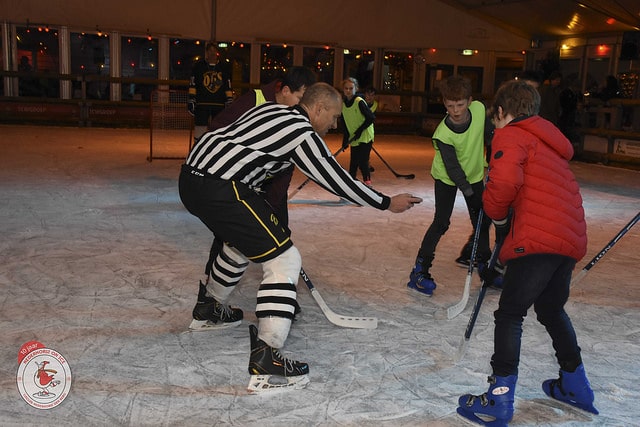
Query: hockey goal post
{"x": 171, "y": 125}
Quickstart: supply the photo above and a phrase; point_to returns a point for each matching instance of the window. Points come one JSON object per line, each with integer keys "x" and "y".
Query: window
{"x": 237, "y": 55}
{"x": 139, "y": 60}
{"x": 359, "y": 64}
{"x": 397, "y": 74}
{"x": 319, "y": 60}
{"x": 275, "y": 60}
{"x": 474, "y": 74}
{"x": 37, "y": 56}
{"x": 90, "y": 58}
{"x": 183, "y": 53}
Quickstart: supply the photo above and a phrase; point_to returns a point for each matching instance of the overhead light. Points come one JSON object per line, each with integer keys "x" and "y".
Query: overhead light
{"x": 466, "y": 52}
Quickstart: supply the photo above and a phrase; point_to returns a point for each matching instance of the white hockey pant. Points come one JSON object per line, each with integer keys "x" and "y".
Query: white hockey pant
{"x": 277, "y": 297}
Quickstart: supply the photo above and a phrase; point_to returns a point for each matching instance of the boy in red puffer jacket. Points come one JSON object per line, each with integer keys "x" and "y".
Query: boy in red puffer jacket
{"x": 535, "y": 204}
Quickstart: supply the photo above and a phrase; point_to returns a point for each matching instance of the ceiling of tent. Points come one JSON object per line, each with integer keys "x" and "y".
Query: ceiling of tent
{"x": 550, "y": 19}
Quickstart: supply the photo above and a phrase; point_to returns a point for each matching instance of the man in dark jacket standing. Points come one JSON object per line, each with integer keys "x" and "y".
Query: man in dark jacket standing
{"x": 209, "y": 89}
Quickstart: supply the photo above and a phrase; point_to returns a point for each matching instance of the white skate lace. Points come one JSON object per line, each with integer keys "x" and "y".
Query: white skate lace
{"x": 289, "y": 365}
{"x": 224, "y": 312}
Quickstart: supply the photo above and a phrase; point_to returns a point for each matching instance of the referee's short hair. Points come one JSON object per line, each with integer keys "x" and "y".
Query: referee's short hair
{"x": 321, "y": 93}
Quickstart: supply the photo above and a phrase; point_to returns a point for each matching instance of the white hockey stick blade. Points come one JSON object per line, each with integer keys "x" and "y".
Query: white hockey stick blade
{"x": 341, "y": 320}
{"x": 458, "y": 308}
{"x": 262, "y": 384}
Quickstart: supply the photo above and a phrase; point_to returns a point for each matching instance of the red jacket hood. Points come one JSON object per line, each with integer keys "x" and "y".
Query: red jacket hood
{"x": 547, "y": 133}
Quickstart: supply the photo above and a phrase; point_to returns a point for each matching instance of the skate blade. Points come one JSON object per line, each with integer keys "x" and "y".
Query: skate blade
{"x": 486, "y": 420}
{"x": 585, "y": 408}
{"x": 208, "y": 325}
{"x": 262, "y": 384}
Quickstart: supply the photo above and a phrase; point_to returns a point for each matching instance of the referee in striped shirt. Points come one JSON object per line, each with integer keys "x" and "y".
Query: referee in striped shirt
{"x": 221, "y": 182}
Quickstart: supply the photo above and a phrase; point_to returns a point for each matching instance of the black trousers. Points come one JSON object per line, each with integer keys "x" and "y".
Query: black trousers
{"x": 235, "y": 214}
{"x": 445, "y": 196}
{"x": 541, "y": 280}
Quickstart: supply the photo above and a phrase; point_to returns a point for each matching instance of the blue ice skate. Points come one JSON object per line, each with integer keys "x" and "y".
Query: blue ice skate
{"x": 572, "y": 388}
{"x": 493, "y": 408}
{"x": 420, "y": 279}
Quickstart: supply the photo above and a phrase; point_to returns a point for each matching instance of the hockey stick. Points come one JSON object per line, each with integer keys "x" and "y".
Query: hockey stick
{"x": 604, "y": 250}
{"x": 462, "y": 348}
{"x": 338, "y": 319}
{"x": 456, "y": 309}
{"x": 398, "y": 175}
{"x": 294, "y": 192}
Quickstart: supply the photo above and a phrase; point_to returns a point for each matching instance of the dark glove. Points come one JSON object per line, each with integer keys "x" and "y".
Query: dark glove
{"x": 488, "y": 275}
{"x": 474, "y": 199}
{"x": 191, "y": 107}
{"x": 345, "y": 143}
{"x": 502, "y": 229}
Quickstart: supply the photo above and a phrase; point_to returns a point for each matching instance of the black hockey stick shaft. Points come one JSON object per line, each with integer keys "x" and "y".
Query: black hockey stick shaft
{"x": 474, "y": 313}
{"x": 306, "y": 181}
{"x": 483, "y": 289}
{"x": 606, "y": 249}
{"x": 408, "y": 176}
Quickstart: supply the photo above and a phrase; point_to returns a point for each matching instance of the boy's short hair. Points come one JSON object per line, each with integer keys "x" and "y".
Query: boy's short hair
{"x": 455, "y": 88}
{"x": 516, "y": 97}
{"x": 297, "y": 77}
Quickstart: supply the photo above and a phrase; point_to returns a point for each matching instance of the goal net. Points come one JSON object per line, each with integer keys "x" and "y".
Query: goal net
{"x": 171, "y": 125}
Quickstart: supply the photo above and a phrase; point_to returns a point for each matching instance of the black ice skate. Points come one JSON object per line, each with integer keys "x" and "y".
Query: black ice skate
{"x": 209, "y": 314}
{"x": 267, "y": 364}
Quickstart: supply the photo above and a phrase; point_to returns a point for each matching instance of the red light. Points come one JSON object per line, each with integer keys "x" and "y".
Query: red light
{"x": 611, "y": 21}
{"x": 602, "y": 49}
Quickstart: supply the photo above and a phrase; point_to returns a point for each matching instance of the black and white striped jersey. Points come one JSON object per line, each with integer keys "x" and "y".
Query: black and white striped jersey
{"x": 265, "y": 141}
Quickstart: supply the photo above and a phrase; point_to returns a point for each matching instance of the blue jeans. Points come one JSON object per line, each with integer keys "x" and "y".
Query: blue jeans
{"x": 541, "y": 280}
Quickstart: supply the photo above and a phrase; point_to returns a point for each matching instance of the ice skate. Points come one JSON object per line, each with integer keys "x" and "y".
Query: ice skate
{"x": 420, "y": 279}
{"x": 572, "y": 388}
{"x": 209, "y": 314}
{"x": 493, "y": 408}
{"x": 464, "y": 261}
{"x": 270, "y": 372}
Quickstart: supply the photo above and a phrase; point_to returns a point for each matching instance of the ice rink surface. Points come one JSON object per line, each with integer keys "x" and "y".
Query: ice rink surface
{"x": 100, "y": 261}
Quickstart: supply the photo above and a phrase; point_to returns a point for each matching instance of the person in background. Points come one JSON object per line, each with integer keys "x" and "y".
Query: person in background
{"x": 550, "y": 107}
{"x": 358, "y": 130}
{"x": 221, "y": 184}
{"x": 533, "y": 77}
{"x": 543, "y": 235}
{"x": 370, "y": 98}
{"x": 459, "y": 163}
{"x": 209, "y": 89}
{"x": 372, "y": 103}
